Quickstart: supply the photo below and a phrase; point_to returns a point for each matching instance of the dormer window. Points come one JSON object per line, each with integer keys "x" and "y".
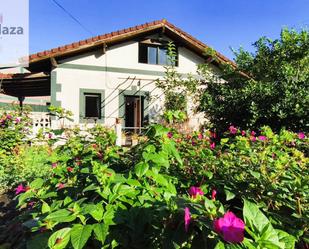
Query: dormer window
{"x": 153, "y": 53}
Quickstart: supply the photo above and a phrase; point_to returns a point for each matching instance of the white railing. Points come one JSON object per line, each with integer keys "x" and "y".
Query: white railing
{"x": 40, "y": 121}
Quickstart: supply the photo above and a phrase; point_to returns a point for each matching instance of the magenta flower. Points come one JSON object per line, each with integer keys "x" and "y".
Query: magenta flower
{"x": 233, "y": 130}
{"x": 200, "y": 136}
{"x": 169, "y": 134}
{"x": 212, "y": 145}
{"x": 17, "y": 120}
{"x": 253, "y": 133}
{"x": 54, "y": 165}
{"x": 20, "y": 189}
{"x": 213, "y": 194}
{"x": 195, "y": 191}
{"x": 9, "y": 116}
{"x": 187, "y": 219}
{"x": 230, "y": 227}
{"x": 193, "y": 143}
{"x": 60, "y": 186}
{"x": 262, "y": 138}
{"x": 301, "y": 135}
{"x": 243, "y": 133}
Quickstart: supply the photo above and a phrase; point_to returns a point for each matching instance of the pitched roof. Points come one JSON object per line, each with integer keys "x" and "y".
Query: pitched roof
{"x": 124, "y": 34}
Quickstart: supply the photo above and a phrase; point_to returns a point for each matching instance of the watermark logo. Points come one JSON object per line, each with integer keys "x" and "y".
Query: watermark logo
{"x": 14, "y": 33}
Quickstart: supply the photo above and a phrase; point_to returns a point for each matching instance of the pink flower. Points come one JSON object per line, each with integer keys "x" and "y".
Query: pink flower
{"x": 262, "y": 138}
{"x": 9, "y": 116}
{"x": 31, "y": 204}
{"x": 213, "y": 194}
{"x": 195, "y": 191}
{"x": 243, "y": 133}
{"x": 50, "y": 135}
{"x": 200, "y": 136}
{"x": 99, "y": 155}
{"x": 252, "y": 133}
{"x": 54, "y": 165}
{"x": 17, "y": 120}
{"x": 230, "y": 227}
{"x": 213, "y": 134}
{"x": 212, "y": 145}
{"x": 253, "y": 138}
{"x": 60, "y": 186}
{"x": 233, "y": 130}
{"x": 301, "y": 135}
{"x": 20, "y": 189}
{"x": 187, "y": 219}
{"x": 169, "y": 134}
{"x": 70, "y": 169}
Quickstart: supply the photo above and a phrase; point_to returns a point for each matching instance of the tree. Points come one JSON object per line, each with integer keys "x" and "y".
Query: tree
{"x": 267, "y": 87}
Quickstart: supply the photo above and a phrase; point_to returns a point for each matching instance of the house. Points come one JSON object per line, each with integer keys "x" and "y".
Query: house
{"x": 108, "y": 76}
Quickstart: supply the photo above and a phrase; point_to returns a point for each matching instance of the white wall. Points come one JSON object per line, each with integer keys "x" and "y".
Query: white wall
{"x": 123, "y": 56}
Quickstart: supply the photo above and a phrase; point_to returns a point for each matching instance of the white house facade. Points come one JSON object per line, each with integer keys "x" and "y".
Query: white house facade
{"x": 108, "y": 77}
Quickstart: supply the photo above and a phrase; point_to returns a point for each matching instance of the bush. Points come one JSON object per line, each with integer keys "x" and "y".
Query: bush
{"x": 24, "y": 165}
{"x": 100, "y": 196}
{"x": 268, "y": 87}
{"x": 13, "y": 131}
{"x": 269, "y": 169}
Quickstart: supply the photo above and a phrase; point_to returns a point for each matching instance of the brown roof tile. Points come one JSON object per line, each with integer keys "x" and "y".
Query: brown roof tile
{"x": 109, "y": 37}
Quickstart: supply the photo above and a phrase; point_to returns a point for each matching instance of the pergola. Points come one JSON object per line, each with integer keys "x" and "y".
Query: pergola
{"x": 25, "y": 85}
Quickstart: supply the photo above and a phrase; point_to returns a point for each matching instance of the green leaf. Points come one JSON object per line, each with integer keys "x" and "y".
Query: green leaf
{"x": 220, "y": 245}
{"x": 229, "y": 195}
{"x": 59, "y": 239}
{"x": 254, "y": 218}
{"x": 37, "y": 183}
{"x": 80, "y": 235}
{"x": 141, "y": 169}
{"x": 287, "y": 239}
{"x": 45, "y": 208}
{"x": 25, "y": 196}
{"x": 61, "y": 215}
{"x": 97, "y": 213}
{"x": 100, "y": 231}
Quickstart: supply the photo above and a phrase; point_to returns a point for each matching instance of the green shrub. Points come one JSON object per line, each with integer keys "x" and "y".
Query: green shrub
{"x": 274, "y": 91}
{"x": 14, "y": 128}
{"x": 24, "y": 165}
{"x": 270, "y": 170}
{"x": 98, "y": 197}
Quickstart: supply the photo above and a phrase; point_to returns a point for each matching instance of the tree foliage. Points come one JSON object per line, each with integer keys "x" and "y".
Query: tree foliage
{"x": 268, "y": 87}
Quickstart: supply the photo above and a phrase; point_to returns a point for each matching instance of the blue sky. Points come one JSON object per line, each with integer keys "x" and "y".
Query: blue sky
{"x": 219, "y": 23}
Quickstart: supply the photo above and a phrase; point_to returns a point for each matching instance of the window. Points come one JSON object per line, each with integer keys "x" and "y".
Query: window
{"x": 154, "y": 54}
{"x": 92, "y": 105}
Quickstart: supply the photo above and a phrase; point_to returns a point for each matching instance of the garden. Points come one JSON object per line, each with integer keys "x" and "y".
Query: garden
{"x": 241, "y": 181}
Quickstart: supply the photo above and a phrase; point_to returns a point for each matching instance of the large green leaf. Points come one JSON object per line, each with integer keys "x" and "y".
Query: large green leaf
{"x": 59, "y": 239}
{"x": 80, "y": 235}
{"x": 254, "y": 218}
{"x": 37, "y": 183}
{"x": 97, "y": 212}
{"x": 61, "y": 215}
{"x": 141, "y": 169}
{"x": 101, "y": 231}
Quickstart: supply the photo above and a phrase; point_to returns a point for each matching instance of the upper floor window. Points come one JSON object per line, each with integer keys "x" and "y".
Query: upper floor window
{"x": 154, "y": 54}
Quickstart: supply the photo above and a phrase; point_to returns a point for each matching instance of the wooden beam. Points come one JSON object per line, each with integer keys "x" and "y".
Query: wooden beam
{"x": 53, "y": 62}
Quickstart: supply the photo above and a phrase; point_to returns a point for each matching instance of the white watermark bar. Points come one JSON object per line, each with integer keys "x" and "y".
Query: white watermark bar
{"x": 14, "y": 33}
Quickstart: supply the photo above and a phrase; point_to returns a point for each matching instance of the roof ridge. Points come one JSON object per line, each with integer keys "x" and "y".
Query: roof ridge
{"x": 96, "y": 40}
